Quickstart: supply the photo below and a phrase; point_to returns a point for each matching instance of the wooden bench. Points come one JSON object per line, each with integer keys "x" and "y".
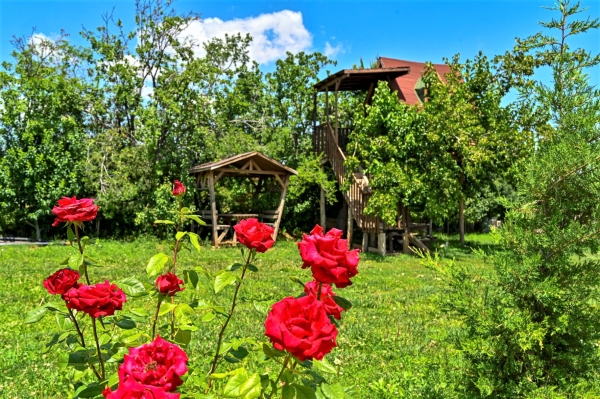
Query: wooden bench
{"x": 268, "y": 217}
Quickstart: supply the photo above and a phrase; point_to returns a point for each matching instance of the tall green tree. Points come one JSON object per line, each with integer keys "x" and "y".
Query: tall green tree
{"x": 531, "y": 323}
{"x": 42, "y": 134}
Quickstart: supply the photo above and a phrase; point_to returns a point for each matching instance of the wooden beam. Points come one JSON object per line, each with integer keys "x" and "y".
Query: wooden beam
{"x": 246, "y": 165}
{"x": 219, "y": 176}
{"x": 381, "y": 243}
{"x": 251, "y": 172}
{"x": 213, "y": 208}
{"x": 365, "y": 242}
{"x": 327, "y": 104}
{"x": 280, "y": 208}
{"x": 281, "y": 183}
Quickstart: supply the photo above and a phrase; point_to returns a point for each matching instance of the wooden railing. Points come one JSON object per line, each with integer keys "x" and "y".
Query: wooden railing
{"x": 324, "y": 141}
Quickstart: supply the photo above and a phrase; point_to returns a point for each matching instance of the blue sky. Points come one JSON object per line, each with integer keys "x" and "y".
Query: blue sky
{"x": 424, "y": 30}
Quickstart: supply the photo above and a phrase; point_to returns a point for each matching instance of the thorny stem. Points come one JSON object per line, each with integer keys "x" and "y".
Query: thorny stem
{"x": 173, "y": 319}
{"x": 155, "y": 318}
{"x": 234, "y": 302}
{"x": 285, "y": 363}
{"x": 319, "y": 292}
{"x": 76, "y": 326}
{"x": 98, "y": 347}
{"x": 87, "y": 278}
{"x": 172, "y": 270}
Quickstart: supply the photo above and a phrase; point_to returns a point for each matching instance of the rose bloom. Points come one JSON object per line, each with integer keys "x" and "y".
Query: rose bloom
{"x": 132, "y": 389}
{"x": 178, "y": 188}
{"x": 71, "y": 210}
{"x": 168, "y": 284}
{"x": 254, "y": 235}
{"x": 159, "y": 364}
{"x": 301, "y": 327}
{"x": 328, "y": 257}
{"x": 331, "y": 307}
{"x": 62, "y": 281}
{"x": 102, "y": 299}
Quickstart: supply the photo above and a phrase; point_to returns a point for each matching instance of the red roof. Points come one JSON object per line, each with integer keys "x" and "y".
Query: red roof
{"x": 405, "y": 84}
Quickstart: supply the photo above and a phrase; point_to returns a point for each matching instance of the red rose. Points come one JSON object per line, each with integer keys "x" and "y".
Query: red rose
{"x": 71, "y": 210}
{"x": 328, "y": 257}
{"x": 96, "y": 300}
{"x": 132, "y": 389}
{"x": 331, "y": 307}
{"x": 178, "y": 189}
{"x": 62, "y": 281}
{"x": 168, "y": 284}
{"x": 254, "y": 234}
{"x": 301, "y": 327}
{"x": 158, "y": 364}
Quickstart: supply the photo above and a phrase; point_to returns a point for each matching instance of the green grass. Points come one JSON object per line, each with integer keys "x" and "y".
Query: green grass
{"x": 390, "y": 342}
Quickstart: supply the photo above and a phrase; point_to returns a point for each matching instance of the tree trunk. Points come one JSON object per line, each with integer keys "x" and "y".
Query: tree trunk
{"x": 405, "y": 223}
{"x": 461, "y": 219}
{"x": 38, "y": 231}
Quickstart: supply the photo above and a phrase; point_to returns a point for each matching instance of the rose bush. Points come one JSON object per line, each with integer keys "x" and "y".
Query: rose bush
{"x": 130, "y": 354}
{"x": 301, "y": 327}
{"x": 328, "y": 257}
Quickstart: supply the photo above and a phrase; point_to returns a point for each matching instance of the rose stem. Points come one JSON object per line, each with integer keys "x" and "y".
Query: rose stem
{"x": 285, "y": 363}
{"x": 220, "y": 340}
{"x": 172, "y": 270}
{"x": 155, "y": 318}
{"x": 98, "y": 347}
{"x": 319, "y": 291}
{"x": 76, "y": 326}
{"x": 82, "y": 340}
{"x": 87, "y": 278}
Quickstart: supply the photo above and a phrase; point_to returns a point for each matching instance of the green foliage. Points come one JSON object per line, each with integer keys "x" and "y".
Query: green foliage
{"x": 530, "y": 323}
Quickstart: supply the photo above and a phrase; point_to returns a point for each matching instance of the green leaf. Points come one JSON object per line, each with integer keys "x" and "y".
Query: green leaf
{"x": 195, "y": 240}
{"x": 164, "y": 222}
{"x": 166, "y": 307}
{"x": 89, "y": 391}
{"x": 132, "y": 287}
{"x": 208, "y": 317}
{"x": 78, "y": 360}
{"x": 261, "y": 307}
{"x": 196, "y": 219}
{"x": 288, "y": 392}
{"x": 304, "y": 392}
{"x": 156, "y": 264}
{"x": 63, "y": 322}
{"x": 240, "y": 353}
{"x": 252, "y": 388}
{"x": 180, "y": 235}
{"x": 71, "y": 235}
{"x": 232, "y": 388}
{"x": 75, "y": 261}
{"x": 342, "y": 302}
{"x": 191, "y": 276}
{"x": 324, "y": 366}
{"x": 234, "y": 267}
{"x": 252, "y": 268}
{"x": 183, "y": 337}
{"x": 35, "y": 315}
{"x": 297, "y": 280}
{"x": 333, "y": 391}
{"x": 272, "y": 353}
{"x": 223, "y": 280}
{"x": 126, "y": 324}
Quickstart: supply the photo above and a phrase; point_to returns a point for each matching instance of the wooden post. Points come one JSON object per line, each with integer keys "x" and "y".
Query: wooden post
{"x": 280, "y": 208}
{"x": 327, "y": 104}
{"x": 365, "y": 242}
{"x": 213, "y": 207}
{"x": 406, "y": 225}
{"x": 381, "y": 243}
{"x": 350, "y": 227}
{"x": 337, "y": 85}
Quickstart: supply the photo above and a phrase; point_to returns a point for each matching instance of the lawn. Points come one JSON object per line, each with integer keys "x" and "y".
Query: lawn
{"x": 390, "y": 342}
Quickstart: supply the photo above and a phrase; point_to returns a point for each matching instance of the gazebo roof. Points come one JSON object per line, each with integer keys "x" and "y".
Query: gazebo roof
{"x": 249, "y": 164}
{"x": 361, "y": 79}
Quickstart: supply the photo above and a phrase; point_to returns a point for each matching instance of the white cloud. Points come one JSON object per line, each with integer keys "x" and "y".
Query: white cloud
{"x": 331, "y": 51}
{"x": 272, "y": 34}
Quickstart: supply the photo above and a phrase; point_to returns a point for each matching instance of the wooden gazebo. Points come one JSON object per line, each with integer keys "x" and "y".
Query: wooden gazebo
{"x": 262, "y": 171}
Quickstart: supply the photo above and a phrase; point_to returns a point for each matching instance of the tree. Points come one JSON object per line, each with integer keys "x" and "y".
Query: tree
{"x": 531, "y": 323}
{"x": 42, "y": 136}
{"x": 443, "y": 151}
